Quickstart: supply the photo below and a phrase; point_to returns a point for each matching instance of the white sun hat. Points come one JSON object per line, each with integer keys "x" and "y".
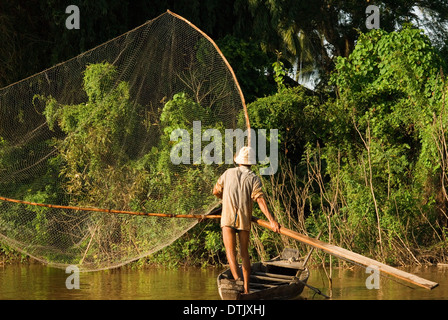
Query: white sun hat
{"x": 246, "y": 156}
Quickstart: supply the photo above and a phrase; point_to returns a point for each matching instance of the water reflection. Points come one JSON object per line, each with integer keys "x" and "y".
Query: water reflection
{"x": 350, "y": 284}
{"x": 40, "y": 282}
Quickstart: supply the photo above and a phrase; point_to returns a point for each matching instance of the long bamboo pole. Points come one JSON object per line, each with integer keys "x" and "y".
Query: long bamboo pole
{"x": 135, "y": 213}
{"x": 351, "y": 256}
{"x": 328, "y": 248}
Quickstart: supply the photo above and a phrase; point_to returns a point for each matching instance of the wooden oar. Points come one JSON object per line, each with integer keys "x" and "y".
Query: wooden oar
{"x": 350, "y": 256}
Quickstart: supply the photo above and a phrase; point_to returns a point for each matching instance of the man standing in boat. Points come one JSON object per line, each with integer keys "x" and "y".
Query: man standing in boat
{"x": 238, "y": 188}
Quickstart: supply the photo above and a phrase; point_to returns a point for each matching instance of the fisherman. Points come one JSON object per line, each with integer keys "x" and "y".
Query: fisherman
{"x": 238, "y": 188}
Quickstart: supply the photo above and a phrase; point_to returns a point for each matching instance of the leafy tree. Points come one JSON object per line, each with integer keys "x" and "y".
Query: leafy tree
{"x": 294, "y": 112}
{"x": 100, "y": 165}
{"x": 314, "y": 32}
{"x": 251, "y": 65}
{"x": 308, "y": 33}
{"x": 96, "y": 148}
{"x": 379, "y": 146}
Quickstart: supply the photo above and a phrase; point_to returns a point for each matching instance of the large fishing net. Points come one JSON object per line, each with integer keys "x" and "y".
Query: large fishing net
{"x": 116, "y": 128}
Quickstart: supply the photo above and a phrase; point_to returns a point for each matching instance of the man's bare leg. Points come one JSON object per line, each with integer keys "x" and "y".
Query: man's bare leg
{"x": 244, "y": 251}
{"x": 229, "y": 239}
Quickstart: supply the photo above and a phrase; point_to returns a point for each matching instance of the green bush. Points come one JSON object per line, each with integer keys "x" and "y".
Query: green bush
{"x": 379, "y": 151}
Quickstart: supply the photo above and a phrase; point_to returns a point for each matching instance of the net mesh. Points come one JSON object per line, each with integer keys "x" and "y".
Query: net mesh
{"x": 94, "y": 132}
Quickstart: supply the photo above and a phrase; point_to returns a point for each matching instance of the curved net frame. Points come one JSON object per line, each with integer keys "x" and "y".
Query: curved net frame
{"x": 96, "y": 132}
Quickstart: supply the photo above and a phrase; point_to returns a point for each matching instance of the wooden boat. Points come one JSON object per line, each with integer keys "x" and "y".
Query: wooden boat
{"x": 282, "y": 278}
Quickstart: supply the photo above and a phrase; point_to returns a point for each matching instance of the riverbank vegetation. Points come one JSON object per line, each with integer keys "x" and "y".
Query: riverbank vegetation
{"x": 363, "y": 155}
{"x": 363, "y": 162}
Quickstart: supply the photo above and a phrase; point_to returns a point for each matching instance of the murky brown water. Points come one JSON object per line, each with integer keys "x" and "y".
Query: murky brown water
{"x": 42, "y": 282}
{"x": 38, "y": 282}
{"x": 350, "y": 284}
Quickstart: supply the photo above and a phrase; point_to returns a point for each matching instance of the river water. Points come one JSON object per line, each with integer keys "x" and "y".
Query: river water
{"x": 39, "y": 282}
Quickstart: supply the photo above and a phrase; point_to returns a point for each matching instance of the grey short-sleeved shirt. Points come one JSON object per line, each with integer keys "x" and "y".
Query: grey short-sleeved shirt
{"x": 239, "y": 187}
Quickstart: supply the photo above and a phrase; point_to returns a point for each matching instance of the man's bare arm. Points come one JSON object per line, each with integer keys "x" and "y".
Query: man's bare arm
{"x": 264, "y": 208}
